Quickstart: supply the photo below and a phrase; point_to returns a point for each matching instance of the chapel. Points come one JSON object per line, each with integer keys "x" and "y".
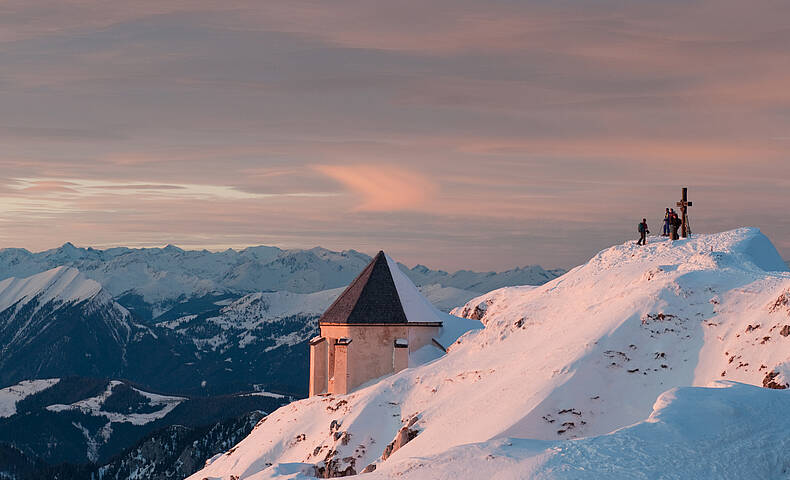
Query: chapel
{"x": 374, "y": 328}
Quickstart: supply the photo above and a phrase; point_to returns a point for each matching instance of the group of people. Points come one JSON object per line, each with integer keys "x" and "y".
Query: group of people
{"x": 672, "y": 223}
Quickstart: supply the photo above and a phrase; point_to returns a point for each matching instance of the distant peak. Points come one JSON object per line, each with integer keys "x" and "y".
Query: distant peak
{"x": 172, "y": 248}
{"x": 61, "y": 283}
{"x": 68, "y": 250}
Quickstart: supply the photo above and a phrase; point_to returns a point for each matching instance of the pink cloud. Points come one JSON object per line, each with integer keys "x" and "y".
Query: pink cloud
{"x": 383, "y": 187}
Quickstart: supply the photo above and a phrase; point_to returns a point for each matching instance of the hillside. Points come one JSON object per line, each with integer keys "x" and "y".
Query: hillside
{"x": 80, "y": 420}
{"x": 60, "y": 323}
{"x": 579, "y": 357}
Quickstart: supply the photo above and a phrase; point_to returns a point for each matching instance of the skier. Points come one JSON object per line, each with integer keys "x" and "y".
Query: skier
{"x": 667, "y": 216}
{"x": 643, "y": 231}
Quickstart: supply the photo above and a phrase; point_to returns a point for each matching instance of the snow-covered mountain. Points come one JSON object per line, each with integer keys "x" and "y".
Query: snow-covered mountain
{"x": 579, "y": 357}
{"x": 160, "y": 277}
{"x": 482, "y": 281}
{"x": 167, "y": 274}
{"x": 58, "y": 318}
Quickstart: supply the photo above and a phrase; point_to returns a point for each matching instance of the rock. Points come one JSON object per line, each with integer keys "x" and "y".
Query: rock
{"x": 770, "y": 382}
{"x": 404, "y": 436}
{"x": 782, "y": 302}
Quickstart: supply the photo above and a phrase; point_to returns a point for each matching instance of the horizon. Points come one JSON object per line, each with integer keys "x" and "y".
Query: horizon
{"x": 239, "y": 249}
{"x": 462, "y": 135}
{"x": 283, "y": 249}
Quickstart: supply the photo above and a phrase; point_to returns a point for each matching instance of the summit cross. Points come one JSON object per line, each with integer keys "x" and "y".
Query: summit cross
{"x": 684, "y": 204}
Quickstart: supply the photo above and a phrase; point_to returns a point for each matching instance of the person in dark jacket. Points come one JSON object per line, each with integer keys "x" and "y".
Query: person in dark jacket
{"x": 667, "y": 217}
{"x": 675, "y": 223}
{"x": 643, "y": 231}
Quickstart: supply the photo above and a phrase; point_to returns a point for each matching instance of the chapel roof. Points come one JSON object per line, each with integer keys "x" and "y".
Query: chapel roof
{"x": 372, "y": 298}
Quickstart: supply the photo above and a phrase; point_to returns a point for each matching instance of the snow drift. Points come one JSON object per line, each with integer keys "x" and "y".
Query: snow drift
{"x": 577, "y": 358}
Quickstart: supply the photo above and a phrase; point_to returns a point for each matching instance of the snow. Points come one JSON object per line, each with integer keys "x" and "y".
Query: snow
{"x": 256, "y": 309}
{"x": 164, "y": 275}
{"x": 93, "y": 406}
{"x": 419, "y": 309}
{"x": 566, "y": 376}
{"x": 453, "y": 328}
{"x": 14, "y": 394}
{"x": 174, "y": 324}
{"x": 170, "y": 274}
{"x": 416, "y": 307}
{"x": 732, "y": 430}
{"x": 263, "y": 394}
{"x": 446, "y": 298}
{"x": 62, "y": 284}
{"x": 482, "y": 281}
{"x": 92, "y": 444}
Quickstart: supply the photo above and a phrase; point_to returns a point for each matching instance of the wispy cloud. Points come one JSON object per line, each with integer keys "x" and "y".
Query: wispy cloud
{"x": 383, "y": 187}
{"x": 83, "y": 187}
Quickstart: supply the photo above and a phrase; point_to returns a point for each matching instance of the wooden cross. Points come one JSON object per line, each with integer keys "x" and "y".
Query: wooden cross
{"x": 684, "y": 204}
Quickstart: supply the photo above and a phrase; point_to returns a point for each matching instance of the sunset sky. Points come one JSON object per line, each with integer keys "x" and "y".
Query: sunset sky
{"x": 457, "y": 134}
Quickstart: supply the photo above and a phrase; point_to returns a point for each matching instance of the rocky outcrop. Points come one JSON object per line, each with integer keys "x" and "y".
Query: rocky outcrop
{"x": 770, "y": 381}
{"x": 406, "y": 434}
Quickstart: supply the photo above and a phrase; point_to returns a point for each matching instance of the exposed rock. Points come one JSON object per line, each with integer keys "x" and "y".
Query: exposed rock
{"x": 770, "y": 381}
{"x": 782, "y": 301}
{"x": 657, "y": 317}
{"x": 479, "y": 312}
{"x": 333, "y": 468}
{"x": 404, "y": 436}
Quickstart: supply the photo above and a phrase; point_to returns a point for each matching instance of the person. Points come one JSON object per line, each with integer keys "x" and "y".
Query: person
{"x": 667, "y": 216}
{"x": 643, "y": 231}
{"x": 675, "y": 222}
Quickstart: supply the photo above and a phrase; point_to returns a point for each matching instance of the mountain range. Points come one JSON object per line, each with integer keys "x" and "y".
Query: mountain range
{"x": 150, "y": 281}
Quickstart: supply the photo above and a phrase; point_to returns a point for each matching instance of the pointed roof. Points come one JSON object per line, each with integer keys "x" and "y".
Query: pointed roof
{"x": 373, "y": 298}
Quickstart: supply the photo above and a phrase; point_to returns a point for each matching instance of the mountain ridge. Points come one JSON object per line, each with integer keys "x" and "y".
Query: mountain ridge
{"x": 170, "y": 274}
{"x": 578, "y": 357}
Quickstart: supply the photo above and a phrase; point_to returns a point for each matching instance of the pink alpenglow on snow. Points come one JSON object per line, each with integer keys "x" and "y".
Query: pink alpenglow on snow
{"x": 548, "y": 387}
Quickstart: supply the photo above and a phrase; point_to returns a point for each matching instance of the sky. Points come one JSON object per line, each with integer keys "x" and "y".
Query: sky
{"x": 453, "y": 133}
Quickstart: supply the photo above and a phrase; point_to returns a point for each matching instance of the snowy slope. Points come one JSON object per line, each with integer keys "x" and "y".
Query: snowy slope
{"x": 729, "y": 431}
{"x": 446, "y": 298}
{"x": 75, "y": 323}
{"x": 581, "y": 356}
{"x": 28, "y": 306}
{"x": 89, "y": 419}
{"x": 272, "y": 319}
{"x": 61, "y": 284}
{"x": 162, "y": 405}
{"x": 12, "y": 395}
